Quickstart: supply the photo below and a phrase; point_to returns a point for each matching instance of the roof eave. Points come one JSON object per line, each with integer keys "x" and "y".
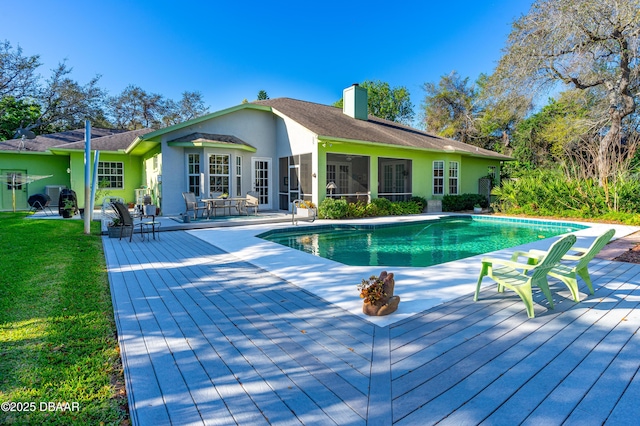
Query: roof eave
{"x": 65, "y": 151}
{"x": 498, "y": 156}
{"x": 21, "y": 152}
{"x": 205, "y": 144}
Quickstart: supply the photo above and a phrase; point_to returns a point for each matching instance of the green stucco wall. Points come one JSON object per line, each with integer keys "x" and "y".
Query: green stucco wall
{"x": 34, "y": 164}
{"x": 471, "y": 168}
{"x": 132, "y": 175}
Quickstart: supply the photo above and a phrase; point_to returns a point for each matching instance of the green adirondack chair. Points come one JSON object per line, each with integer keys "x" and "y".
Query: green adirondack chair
{"x": 568, "y": 273}
{"x": 521, "y": 277}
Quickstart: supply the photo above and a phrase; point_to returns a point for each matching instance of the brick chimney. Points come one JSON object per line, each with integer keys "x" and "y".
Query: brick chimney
{"x": 354, "y": 102}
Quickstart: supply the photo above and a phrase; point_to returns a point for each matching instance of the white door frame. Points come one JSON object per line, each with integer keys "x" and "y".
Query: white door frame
{"x": 265, "y": 201}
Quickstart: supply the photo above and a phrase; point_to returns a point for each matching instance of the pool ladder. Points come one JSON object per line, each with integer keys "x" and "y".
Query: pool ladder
{"x": 311, "y": 213}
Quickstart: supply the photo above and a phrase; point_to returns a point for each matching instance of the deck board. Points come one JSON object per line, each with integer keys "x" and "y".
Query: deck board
{"x": 207, "y": 338}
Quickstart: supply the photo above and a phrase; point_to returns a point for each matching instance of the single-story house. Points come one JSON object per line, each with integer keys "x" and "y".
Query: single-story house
{"x": 57, "y": 161}
{"x": 285, "y": 149}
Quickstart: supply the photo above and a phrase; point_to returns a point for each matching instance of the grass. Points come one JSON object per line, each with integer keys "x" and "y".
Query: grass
{"x": 58, "y": 339}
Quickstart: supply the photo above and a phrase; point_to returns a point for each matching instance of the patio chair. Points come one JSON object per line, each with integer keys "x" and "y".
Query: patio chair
{"x": 507, "y": 273}
{"x": 193, "y": 204}
{"x": 126, "y": 220}
{"x": 568, "y": 273}
{"x": 251, "y": 203}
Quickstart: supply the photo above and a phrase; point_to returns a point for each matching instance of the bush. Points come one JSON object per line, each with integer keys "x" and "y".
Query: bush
{"x": 331, "y": 208}
{"x": 383, "y": 206}
{"x": 551, "y": 193}
{"x": 422, "y": 202}
{"x": 456, "y": 203}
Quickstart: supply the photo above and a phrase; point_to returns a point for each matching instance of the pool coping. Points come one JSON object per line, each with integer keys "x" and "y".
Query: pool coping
{"x": 419, "y": 288}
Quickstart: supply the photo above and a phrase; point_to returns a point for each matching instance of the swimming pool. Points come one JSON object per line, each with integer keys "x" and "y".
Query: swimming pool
{"x": 416, "y": 244}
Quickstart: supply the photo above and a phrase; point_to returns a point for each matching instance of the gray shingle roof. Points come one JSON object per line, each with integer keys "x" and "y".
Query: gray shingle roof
{"x": 102, "y": 139}
{"x": 331, "y": 122}
{"x": 115, "y": 142}
{"x": 211, "y": 137}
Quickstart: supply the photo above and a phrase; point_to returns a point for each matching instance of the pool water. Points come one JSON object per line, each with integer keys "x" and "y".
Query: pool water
{"x": 424, "y": 243}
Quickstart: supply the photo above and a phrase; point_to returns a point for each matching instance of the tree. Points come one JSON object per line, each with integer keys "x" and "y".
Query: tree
{"x": 585, "y": 44}
{"x": 393, "y": 104}
{"x": 450, "y": 108}
{"x": 262, "y": 95}
{"x": 66, "y": 104}
{"x": 15, "y": 114}
{"x": 17, "y": 72}
{"x": 548, "y": 136}
{"x": 456, "y": 109}
{"x": 190, "y": 106}
{"x": 135, "y": 108}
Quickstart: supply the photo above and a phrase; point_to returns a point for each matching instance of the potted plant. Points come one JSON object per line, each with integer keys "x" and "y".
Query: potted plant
{"x": 377, "y": 293}
{"x": 477, "y": 208}
{"x": 306, "y": 209}
{"x": 68, "y": 208}
{"x": 115, "y": 227}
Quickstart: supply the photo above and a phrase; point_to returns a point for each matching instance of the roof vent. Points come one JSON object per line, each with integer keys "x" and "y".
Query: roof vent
{"x": 355, "y": 102}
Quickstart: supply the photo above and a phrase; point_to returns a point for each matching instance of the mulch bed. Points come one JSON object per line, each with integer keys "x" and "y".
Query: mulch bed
{"x": 631, "y": 256}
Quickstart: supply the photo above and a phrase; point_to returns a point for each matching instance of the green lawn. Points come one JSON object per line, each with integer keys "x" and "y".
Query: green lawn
{"x": 58, "y": 345}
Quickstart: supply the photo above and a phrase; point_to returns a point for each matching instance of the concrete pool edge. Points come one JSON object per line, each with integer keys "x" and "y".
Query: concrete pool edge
{"x": 419, "y": 288}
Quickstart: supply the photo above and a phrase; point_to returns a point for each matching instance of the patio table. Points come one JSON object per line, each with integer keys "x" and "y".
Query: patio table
{"x": 224, "y": 203}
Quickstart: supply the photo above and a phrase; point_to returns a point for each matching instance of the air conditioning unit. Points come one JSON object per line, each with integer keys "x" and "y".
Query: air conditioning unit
{"x": 53, "y": 191}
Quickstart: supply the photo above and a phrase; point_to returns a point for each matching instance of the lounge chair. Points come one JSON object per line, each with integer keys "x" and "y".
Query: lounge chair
{"x": 192, "y": 204}
{"x": 568, "y": 273}
{"x": 126, "y": 220}
{"x": 521, "y": 277}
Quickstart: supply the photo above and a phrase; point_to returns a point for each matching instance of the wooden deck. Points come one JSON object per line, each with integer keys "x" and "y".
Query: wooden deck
{"x": 208, "y": 339}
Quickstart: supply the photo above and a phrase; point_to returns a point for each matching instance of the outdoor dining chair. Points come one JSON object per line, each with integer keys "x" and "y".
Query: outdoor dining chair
{"x": 192, "y": 204}
{"x": 574, "y": 266}
{"x": 126, "y": 221}
{"x": 521, "y": 277}
{"x": 251, "y": 203}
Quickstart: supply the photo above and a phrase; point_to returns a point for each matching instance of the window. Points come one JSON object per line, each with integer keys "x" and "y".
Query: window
{"x": 194, "y": 173}
{"x": 239, "y": 176}
{"x": 438, "y": 177}
{"x": 453, "y": 177}
{"x": 219, "y": 173}
{"x": 111, "y": 172}
{"x": 14, "y": 181}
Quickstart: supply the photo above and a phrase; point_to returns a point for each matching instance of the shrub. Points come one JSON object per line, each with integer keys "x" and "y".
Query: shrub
{"x": 551, "y": 193}
{"x": 382, "y": 205}
{"x": 456, "y": 203}
{"x": 330, "y": 208}
{"x": 422, "y": 202}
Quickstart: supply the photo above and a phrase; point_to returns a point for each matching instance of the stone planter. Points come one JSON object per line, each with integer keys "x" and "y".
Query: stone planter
{"x": 477, "y": 209}
{"x": 386, "y": 305}
{"x": 114, "y": 231}
{"x": 305, "y": 212}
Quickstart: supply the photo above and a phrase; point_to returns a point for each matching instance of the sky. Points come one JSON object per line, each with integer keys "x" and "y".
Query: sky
{"x": 230, "y": 50}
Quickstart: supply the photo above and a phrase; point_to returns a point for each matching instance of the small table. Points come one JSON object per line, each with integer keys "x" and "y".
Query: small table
{"x": 149, "y": 224}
